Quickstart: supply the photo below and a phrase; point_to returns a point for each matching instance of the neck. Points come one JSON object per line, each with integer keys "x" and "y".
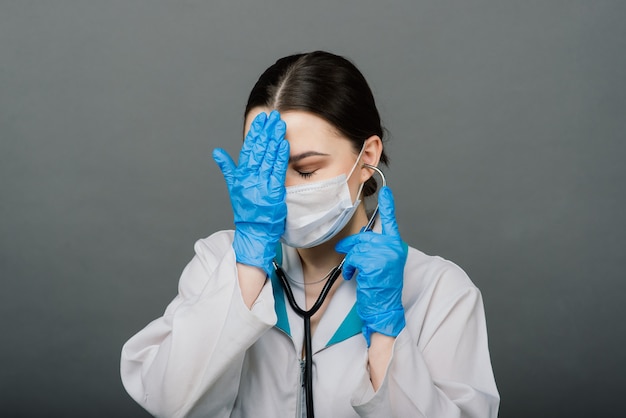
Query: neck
{"x": 318, "y": 261}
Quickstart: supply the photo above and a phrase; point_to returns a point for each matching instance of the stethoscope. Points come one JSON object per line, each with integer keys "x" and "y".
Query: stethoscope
{"x": 307, "y": 314}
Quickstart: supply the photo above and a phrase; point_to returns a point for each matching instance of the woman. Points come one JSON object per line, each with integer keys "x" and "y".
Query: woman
{"x": 402, "y": 334}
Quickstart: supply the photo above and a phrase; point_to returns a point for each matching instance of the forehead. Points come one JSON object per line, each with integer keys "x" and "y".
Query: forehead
{"x": 305, "y": 130}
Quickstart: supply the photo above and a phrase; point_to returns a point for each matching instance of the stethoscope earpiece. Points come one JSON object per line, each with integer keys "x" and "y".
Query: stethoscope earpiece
{"x": 378, "y": 170}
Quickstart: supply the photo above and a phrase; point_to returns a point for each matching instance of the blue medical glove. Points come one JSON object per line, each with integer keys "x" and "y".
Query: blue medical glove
{"x": 257, "y": 190}
{"x": 380, "y": 260}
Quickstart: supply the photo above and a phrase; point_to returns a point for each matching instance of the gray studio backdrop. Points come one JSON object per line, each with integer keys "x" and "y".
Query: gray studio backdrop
{"x": 506, "y": 125}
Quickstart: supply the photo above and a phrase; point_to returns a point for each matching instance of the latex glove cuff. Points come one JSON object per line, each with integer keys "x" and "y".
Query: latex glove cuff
{"x": 387, "y": 323}
{"x": 254, "y": 251}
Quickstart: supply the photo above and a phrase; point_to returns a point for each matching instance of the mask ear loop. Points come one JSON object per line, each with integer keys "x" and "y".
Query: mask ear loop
{"x": 358, "y": 194}
{"x": 370, "y": 223}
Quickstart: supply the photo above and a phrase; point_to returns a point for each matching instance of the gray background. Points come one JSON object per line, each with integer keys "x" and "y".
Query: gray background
{"x": 506, "y": 122}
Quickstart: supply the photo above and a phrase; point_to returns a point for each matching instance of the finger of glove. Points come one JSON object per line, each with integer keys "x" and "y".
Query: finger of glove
{"x": 345, "y": 245}
{"x": 373, "y": 257}
{"x": 252, "y": 138}
{"x": 348, "y": 271}
{"x": 268, "y": 160}
{"x": 263, "y": 141}
{"x": 355, "y": 259}
{"x": 279, "y": 173}
{"x": 387, "y": 211}
{"x": 226, "y": 165}
{"x": 276, "y": 138}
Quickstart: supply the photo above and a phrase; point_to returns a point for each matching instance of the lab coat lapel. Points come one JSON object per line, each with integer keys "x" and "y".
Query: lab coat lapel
{"x": 340, "y": 320}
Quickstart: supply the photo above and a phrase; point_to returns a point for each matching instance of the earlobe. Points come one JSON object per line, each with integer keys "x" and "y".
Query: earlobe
{"x": 372, "y": 150}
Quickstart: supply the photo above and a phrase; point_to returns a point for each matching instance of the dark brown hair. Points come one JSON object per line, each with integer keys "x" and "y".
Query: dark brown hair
{"x": 328, "y": 86}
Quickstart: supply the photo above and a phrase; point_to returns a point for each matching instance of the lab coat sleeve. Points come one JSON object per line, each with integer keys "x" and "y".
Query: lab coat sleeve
{"x": 440, "y": 365}
{"x": 191, "y": 357}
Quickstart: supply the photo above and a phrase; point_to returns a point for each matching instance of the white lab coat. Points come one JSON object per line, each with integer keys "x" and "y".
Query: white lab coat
{"x": 211, "y": 356}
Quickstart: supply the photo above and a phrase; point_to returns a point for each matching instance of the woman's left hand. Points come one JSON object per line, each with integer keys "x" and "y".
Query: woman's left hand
{"x": 380, "y": 260}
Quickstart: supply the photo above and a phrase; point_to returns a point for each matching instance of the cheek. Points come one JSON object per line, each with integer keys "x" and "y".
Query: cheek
{"x": 292, "y": 178}
{"x": 355, "y": 182}
{"x": 354, "y": 185}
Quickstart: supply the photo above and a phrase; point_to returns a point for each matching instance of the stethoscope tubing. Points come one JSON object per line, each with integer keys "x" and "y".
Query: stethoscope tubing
{"x": 307, "y": 314}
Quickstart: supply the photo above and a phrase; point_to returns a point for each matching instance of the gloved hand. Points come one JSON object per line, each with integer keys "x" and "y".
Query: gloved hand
{"x": 257, "y": 190}
{"x": 380, "y": 260}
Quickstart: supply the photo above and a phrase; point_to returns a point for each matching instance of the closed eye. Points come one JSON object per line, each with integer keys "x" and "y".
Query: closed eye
{"x": 305, "y": 175}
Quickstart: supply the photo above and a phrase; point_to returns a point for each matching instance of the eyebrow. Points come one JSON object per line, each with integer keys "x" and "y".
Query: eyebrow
{"x": 306, "y": 154}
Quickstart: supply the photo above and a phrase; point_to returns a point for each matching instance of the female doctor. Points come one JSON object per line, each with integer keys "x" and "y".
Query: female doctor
{"x": 399, "y": 334}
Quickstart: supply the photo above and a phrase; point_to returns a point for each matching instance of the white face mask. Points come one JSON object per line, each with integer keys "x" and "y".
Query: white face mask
{"x": 316, "y": 212}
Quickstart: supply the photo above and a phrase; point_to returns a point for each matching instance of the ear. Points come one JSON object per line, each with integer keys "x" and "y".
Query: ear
{"x": 372, "y": 150}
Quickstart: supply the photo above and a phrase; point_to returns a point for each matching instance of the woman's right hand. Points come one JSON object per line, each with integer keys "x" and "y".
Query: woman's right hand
{"x": 257, "y": 190}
